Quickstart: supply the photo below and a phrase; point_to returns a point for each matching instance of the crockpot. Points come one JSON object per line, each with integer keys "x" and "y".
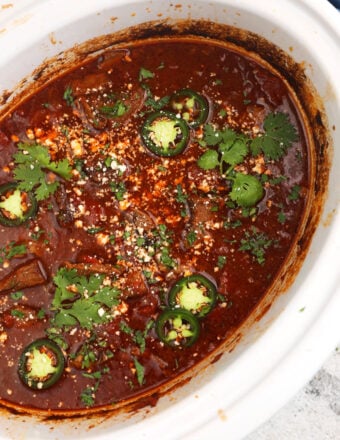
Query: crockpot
{"x": 283, "y": 349}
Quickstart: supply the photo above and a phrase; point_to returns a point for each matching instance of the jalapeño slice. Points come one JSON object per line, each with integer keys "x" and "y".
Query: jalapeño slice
{"x": 164, "y": 134}
{"x": 41, "y": 364}
{"x": 16, "y": 206}
{"x": 192, "y": 107}
{"x": 177, "y": 327}
{"x": 194, "y": 293}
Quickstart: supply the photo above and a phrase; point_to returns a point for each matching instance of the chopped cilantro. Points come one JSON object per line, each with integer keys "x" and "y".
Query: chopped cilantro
{"x": 138, "y": 336}
{"x": 163, "y": 235}
{"x": 54, "y": 333}
{"x": 157, "y": 104}
{"x": 281, "y": 216}
{"x": 145, "y": 74}
{"x": 140, "y": 241}
{"x": 87, "y": 355}
{"x": 232, "y": 225}
{"x": 139, "y": 371}
{"x": 17, "y": 314}
{"x": 217, "y": 82}
{"x": 221, "y": 261}
{"x": 256, "y": 243}
{"x": 36, "y": 235}
{"x": 87, "y": 396}
{"x": 222, "y": 113}
{"x": 12, "y": 250}
{"x": 277, "y": 180}
{"x": 149, "y": 276}
{"x": 249, "y": 211}
{"x": 16, "y": 296}
{"x": 166, "y": 258}
{"x": 181, "y": 197}
{"x": 295, "y": 193}
{"x": 68, "y": 96}
{"x": 113, "y": 111}
{"x": 94, "y": 375}
{"x": 119, "y": 190}
{"x": 41, "y": 314}
{"x": 94, "y": 230}
{"x": 191, "y": 237}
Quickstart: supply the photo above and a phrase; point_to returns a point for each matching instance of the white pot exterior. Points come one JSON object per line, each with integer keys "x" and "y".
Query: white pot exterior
{"x": 288, "y": 345}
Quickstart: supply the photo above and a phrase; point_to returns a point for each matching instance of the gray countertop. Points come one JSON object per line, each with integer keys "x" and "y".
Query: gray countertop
{"x": 313, "y": 414}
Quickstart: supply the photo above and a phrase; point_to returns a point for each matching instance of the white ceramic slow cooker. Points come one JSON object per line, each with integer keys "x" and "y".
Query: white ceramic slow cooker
{"x": 283, "y": 350}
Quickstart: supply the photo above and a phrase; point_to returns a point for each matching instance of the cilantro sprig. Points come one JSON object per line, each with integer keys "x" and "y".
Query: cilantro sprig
{"x": 230, "y": 149}
{"x": 33, "y": 162}
{"x": 82, "y": 300}
{"x": 246, "y": 189}
{"x": 278, "y": 136}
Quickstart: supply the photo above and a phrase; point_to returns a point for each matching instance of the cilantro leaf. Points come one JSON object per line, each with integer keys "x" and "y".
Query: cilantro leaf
{"x": 234, "y": 150}
{"x": 232, "y": 147}
{"x": 246, "y": 190}
{"x": 209, "y": 160}
{"x": 278, "y": 136}
{"x": 212, "y": 136}
{"x": 63, "y": 279}
{"x": 45, "y": 190}
{"x": 33, "y": 161}
{"x": 85, "y": 311}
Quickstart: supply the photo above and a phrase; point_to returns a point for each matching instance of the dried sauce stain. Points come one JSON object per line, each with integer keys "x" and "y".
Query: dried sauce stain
{"x": 129, "y": 209}
{"x": 222, "y": 415}
{"x": 7, "y": 6}
{"x": 327, "y": 221}
{"x": 52, "y": 38}
{"x": 22, "y": 20}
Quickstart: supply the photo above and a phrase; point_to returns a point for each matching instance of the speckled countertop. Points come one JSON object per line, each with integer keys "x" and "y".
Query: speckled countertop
{"x": 313, "y": 414}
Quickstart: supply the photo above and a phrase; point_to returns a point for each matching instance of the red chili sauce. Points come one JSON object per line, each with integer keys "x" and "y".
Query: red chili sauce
{"x": 116, "y": 225}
